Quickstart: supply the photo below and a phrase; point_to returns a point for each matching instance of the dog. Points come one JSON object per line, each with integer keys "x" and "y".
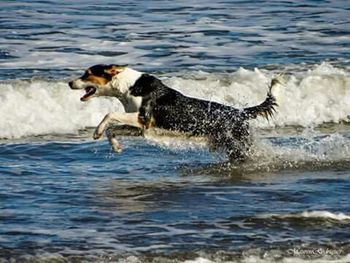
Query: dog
{"x": 149, "y": 103}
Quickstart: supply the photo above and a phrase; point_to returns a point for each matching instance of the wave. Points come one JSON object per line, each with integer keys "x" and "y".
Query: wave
{"x": 308, "y": 98}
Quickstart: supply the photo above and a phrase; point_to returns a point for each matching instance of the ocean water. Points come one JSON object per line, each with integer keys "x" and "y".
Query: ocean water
{"x": 67, "y": 198}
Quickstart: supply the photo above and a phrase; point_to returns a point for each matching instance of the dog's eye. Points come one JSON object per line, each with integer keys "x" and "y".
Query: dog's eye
{"x": 86, "y": 75}
{"x": 106, "y": 76}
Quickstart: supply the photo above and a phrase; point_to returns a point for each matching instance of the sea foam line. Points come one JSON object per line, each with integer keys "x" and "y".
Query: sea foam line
{"x": 311, "y": 214}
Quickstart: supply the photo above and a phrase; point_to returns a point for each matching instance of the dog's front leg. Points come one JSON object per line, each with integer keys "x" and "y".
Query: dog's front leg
{"x": 120, "y": 130}
{"x": 131, "y": 119}
{"x": 100, "y": 129}
{"x": 116, "y": 146}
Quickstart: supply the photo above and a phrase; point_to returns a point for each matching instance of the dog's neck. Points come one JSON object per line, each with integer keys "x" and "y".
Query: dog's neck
{"x": 120, "y": 85}
{"x": 124, "y": 80}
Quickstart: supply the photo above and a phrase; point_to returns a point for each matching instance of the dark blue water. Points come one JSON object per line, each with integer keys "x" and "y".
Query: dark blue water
{"x": 67, "y": 198}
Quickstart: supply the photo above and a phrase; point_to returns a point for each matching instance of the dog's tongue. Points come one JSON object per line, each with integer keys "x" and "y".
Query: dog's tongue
{"x": 89, "y": 91}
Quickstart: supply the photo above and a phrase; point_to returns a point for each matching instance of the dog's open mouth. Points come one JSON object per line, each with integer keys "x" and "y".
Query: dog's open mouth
{"x": 89, "y": 92}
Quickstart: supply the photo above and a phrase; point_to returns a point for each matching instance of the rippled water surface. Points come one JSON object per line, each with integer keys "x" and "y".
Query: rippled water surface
{"x": 171, "y": 35}
{"x": 67, "y": 198}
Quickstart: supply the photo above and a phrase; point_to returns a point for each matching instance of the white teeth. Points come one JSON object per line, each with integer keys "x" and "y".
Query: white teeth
{"x": 89, "y": 92}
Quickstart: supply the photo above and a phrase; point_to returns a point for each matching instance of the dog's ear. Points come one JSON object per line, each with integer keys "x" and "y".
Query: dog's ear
{"x": 113, "y": 70}
{"x": 145, "y": 85}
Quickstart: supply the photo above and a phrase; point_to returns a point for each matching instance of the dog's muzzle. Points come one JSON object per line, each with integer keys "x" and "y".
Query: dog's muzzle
{"x": 77, "y": 84}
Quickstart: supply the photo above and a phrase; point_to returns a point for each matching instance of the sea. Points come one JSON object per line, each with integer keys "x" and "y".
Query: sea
{"x": 67, "y": 198}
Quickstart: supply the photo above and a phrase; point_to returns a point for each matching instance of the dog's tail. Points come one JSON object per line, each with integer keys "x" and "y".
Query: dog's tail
{"x": 266, "y": 108}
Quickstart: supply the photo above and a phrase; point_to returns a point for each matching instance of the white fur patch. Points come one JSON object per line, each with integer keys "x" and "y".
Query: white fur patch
{"x": 124, "y": 80}
{"x": 120, "y": 86}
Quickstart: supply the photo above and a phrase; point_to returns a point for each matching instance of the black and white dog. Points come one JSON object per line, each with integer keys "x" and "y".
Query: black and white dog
{"x": 149, "y": 103}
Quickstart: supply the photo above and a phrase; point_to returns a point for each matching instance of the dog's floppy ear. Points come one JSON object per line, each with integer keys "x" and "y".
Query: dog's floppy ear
{"x": 145, "y": 85}
{"x": 113, "y": 70}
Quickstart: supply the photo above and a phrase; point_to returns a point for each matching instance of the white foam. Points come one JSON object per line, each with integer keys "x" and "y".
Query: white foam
{"x": 311, "y": 214}
{"x": 325, "y": 214}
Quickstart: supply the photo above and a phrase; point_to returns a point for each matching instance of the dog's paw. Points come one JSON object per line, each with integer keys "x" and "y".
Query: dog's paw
{"x": 118, "y": 150}
{"x": 97, "y": 135}
{"x": 116, "y": 146}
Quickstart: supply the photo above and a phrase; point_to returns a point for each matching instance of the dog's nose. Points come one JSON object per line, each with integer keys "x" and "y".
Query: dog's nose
{"x": 70, "y": 83}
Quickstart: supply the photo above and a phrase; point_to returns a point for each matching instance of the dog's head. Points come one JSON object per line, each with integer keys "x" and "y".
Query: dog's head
{"x": 97, "y": 80}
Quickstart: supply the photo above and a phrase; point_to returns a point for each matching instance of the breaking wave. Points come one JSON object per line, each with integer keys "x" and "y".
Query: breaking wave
{"x": 307, "y": 98}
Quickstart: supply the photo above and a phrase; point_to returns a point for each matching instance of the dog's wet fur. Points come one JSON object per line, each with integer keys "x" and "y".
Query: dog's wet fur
{"x": 160, "y": 106}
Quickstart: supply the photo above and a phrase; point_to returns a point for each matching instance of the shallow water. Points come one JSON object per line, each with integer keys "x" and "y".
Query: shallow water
{"x": 78, "y": 201}
{"x": 67, "y": 198}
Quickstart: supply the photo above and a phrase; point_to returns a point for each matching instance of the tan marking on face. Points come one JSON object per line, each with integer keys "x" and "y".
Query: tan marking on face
{"x": 97, "y": 80}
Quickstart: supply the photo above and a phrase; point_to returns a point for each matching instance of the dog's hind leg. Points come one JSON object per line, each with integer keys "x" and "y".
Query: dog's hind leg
{"x": 239, "y": 152}
{"x": 238, "y": 147}
{"x": 130, "y": 119}
{"x": 234, "y": 140}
